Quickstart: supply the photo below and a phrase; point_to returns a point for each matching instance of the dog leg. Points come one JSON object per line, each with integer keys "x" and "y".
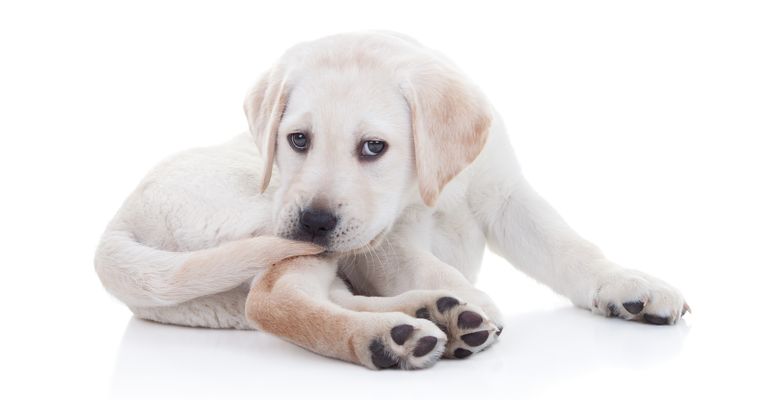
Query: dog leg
{"x": 468, "y": 328}
{"x": 292, "y": 300}
{"x": 221, "y": 310}
{"x": 424, "y": 286}
{"x": 142, "y": 276}
{"x": 530, "y": 234}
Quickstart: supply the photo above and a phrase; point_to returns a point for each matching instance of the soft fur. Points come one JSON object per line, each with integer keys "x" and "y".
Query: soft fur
{"x": 205, "y": 240}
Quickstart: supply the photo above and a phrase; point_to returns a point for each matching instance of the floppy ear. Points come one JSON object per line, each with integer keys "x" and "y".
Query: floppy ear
{"x": 264, "y": 107}
{"x": 449, "y": 119}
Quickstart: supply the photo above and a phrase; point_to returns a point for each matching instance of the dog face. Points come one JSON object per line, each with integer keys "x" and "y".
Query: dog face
{"x": 358, "y": 126}
{"x": 345, "y": 158}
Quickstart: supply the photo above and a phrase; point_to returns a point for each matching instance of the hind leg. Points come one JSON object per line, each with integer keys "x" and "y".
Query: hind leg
{"x": 221, "y": 310}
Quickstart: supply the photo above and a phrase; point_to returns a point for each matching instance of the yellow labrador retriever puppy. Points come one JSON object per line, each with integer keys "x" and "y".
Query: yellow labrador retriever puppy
{"x": 394, "y": 174}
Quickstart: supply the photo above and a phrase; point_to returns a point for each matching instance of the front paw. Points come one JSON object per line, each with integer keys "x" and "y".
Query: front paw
{"x": 468, "y": 327}
{"x": 633, "y": 295}
{"x": 400, "y": 341}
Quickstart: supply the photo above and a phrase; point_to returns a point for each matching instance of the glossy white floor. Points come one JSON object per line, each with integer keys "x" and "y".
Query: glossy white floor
{"x": 82, "y": 342}
{"x": 644, "y": 123}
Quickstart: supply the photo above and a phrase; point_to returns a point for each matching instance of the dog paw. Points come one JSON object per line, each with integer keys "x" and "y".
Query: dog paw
{"x": 412, "y": 344}
{"x": 468, "y": 328}
{"x": 633, "y": 295}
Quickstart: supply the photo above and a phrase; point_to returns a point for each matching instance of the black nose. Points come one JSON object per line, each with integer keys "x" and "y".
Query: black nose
{"x": 316, "y": 222}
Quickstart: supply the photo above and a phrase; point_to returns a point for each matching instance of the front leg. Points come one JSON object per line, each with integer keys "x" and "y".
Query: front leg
{"x": 291, "y": 300}
{"x": 529, "y": 233}
{"x": 417, "y": 283}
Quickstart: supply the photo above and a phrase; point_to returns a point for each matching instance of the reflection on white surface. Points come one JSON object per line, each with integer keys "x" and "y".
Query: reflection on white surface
{"x": 537, "y": 351}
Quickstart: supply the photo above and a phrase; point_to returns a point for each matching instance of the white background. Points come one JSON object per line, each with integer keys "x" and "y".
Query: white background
{"x": 644, "y": 123}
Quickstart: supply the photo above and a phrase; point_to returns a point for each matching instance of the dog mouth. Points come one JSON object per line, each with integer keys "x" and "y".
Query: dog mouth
{"x": 363, "y": 248}
{"x": 334, "y": 243}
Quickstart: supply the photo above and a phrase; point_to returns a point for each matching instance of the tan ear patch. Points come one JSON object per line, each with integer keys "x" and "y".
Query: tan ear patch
{"x": 450, "y": 121}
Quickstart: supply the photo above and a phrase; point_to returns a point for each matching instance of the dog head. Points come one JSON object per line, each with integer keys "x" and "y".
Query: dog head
{"x": 359, "y": 126}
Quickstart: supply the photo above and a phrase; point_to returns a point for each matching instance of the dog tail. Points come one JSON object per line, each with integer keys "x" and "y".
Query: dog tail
{"x": 143, "y": 276}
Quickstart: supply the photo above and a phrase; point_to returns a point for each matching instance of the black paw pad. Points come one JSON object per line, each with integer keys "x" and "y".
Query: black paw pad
{"x": 634, "y": 307}
{"x": 612, "y": 309}
{"x": 446, "y": 303}
{"x": 424, "y": 346}
{"x": 401, "y": 333}
{"x": 380, "y": 356}
{"x": 475, "y": 338}
{"x": 655, "y": 319}
{"x": 498, "y": 333}
{"x": 461, "y": 353}
{"x": 423, "y": 313}
{"x": 469, "y": 319}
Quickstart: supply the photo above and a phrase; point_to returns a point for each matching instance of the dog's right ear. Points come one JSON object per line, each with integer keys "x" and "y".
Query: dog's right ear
{"x": 264, "y": 107}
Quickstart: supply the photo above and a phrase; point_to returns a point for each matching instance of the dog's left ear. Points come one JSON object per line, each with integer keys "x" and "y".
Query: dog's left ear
{"x": 450, "y": 119}
{"x": 264, "y": 107}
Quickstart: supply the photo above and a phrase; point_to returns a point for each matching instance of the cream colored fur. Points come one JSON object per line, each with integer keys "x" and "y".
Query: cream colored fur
{"x": 192, "y": 243}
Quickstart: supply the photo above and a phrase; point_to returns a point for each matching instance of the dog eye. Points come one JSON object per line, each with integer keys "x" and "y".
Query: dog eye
{"x": 298, "y": 141}
{"x": 373, "y": 148}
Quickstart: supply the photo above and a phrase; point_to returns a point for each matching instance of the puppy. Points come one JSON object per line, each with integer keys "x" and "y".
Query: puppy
{"x": 353, "y": 220}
